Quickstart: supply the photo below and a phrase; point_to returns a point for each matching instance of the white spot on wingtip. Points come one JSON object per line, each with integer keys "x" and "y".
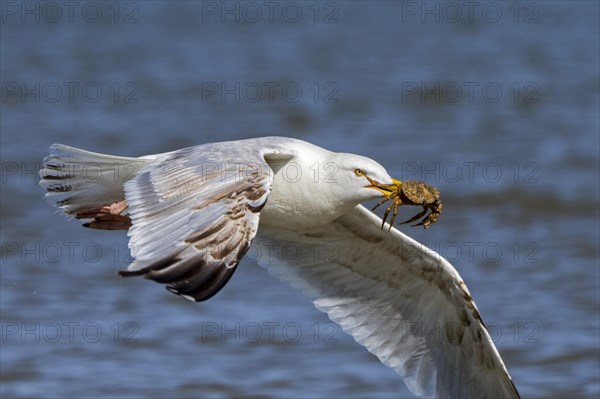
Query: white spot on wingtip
{"x": 174, "y": 291}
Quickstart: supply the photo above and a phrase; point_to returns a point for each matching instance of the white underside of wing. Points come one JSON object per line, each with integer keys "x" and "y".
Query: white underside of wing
{"x": 365, "y": 310}
{"x": 404, "y": 305}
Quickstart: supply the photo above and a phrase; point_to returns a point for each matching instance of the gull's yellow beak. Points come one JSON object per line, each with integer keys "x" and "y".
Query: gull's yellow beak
{"x": 387, "y": 190}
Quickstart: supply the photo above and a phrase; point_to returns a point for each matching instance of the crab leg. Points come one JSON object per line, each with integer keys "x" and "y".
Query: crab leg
{"x": 385, "y": 215}
{"x": 396, "y": 204}
{"x": 383, "y": 201}
{"x": 417, "y": 216}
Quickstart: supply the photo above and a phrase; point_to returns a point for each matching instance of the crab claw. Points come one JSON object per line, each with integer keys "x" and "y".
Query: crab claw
{"x": 429, "y": 220}
{"x": 436, "y": 210}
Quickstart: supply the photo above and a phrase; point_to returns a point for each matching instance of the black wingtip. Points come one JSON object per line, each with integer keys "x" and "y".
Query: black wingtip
{"x": 131, "y": 273}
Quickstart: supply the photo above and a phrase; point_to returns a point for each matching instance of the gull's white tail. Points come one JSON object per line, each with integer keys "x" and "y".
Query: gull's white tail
{"x": 83, "y": 184}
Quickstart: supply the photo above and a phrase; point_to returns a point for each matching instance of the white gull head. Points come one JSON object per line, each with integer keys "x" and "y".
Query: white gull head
{"x": 316, "y": 186}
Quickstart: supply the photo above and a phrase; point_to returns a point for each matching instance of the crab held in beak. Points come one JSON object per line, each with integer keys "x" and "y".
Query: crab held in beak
{"x": 409, "y": 192}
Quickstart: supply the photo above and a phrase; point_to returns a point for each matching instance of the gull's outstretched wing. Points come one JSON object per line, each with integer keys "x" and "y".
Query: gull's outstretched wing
{"x": 402, "y": 301}
{"x": 194, "y": 213}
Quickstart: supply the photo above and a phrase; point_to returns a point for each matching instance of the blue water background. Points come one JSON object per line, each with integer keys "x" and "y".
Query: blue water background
{"x": 499, "y": 111}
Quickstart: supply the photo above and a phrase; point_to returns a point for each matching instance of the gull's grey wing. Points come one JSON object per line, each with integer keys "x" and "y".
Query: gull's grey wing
{"x": 194, "y": 213}
{"x": 403, "y": 302}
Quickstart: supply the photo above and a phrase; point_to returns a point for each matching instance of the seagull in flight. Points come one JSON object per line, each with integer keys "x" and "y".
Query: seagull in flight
{"x": 192, "y": 214}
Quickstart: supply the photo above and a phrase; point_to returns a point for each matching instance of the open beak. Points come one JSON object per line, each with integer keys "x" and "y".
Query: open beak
{"x": 388, "y": 190}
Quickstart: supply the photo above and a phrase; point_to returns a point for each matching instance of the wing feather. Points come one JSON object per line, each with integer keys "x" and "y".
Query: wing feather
{"x": 194, "y": 213}
{"x": 402, "y": 301}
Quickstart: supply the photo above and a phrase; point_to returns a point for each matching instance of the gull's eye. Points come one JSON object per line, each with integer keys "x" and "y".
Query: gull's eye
{"x": 359, "y": 172}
